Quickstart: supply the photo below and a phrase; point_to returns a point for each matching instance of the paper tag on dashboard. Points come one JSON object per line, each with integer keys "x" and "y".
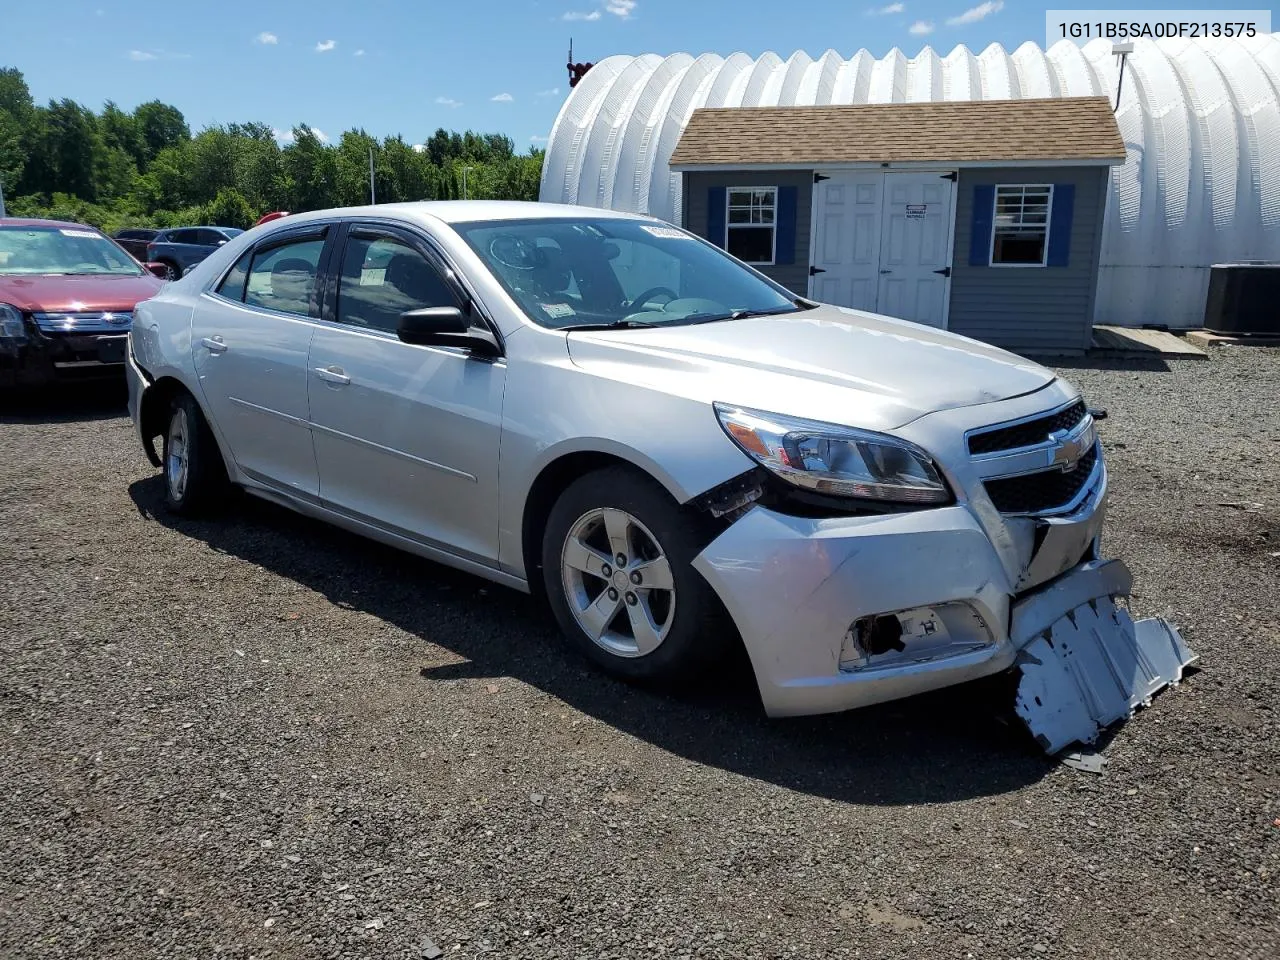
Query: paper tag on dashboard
{"x": 557, "y": 310}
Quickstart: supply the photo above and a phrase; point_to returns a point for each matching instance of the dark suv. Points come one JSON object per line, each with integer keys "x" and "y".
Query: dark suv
{"x": 135, "y": 240}
{"x": 183, "y": 247}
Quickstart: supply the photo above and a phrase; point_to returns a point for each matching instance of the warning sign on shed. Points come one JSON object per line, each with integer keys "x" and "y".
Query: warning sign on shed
{"x": 916, "y": 211}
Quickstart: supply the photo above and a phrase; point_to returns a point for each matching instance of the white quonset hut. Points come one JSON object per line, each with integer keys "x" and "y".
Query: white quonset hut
{"x": 1200, "y": 122}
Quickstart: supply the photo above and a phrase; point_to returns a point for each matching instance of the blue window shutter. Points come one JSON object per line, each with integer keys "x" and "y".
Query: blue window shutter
{"x": 785, "y": 241}
{"x": 1060, "y": 217}
{"x": 984, "y": 202}
{"x": 716, "y": 200}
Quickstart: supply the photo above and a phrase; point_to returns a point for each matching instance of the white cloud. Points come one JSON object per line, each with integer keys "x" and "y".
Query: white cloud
{"x": 921, "y": 28}
{"x": 284, "y": 136}
{"x": 620, "y": 8}
{"x": 324, "y": 46}
{"x": 448, "y": 102}
{"x": 418, "y": 148}
{"x": 502, "y": 98}
{"x": 974, "y": 14}
{"x": 320, "y": 134}
{"x": 553, "y": 92}
{"x": 886, "y": 11}
{"x": 359, "y": 53}
{"x": 266, "y": 38}
{"x": 141, "y": 55}
{"x": 581, "y": 15}
{"x": 537, "y": 139}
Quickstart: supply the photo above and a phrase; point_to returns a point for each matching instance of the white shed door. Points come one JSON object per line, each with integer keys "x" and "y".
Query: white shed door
{"x": 882, "y": 242}
{"x": 847, "y": 250}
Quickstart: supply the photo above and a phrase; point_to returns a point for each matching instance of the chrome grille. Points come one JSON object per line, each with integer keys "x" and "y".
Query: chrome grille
{"x": 1045, "y": 491}
{"x": 1028, "y": 433}
{"x": 99, "y": 321}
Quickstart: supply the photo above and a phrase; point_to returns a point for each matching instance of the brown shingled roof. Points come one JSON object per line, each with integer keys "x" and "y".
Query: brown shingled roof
{"x": 1064, "y": 128}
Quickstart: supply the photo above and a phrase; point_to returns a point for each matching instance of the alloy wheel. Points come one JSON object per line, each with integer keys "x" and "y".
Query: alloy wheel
{"x": 618, "y": 583}
{"x": 177, "y": 459}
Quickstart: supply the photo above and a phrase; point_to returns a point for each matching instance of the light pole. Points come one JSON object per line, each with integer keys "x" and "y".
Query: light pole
{"x": 373, "y": 194}
{"x": 464, "y": 181}
{"x": 1, "y": 199}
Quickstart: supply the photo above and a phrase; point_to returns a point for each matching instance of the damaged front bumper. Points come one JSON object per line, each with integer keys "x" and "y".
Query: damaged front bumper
{"x": 838, "y": 613}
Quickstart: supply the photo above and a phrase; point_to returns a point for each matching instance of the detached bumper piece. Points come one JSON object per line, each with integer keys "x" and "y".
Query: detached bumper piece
{"x": 1086, "y": 669}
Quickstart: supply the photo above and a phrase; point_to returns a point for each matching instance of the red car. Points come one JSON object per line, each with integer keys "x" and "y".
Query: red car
{"x": 67, "y": 294}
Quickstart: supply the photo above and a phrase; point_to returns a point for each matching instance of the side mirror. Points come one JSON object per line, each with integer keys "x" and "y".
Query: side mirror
{"x": 220, "y": 243}
{"x": 445, "y": 327}
{"x": 157, "y": 270}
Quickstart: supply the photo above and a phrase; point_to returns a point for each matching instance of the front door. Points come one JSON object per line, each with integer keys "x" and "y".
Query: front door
{"x": 882, "y": 242}
{"x": 406, "y": 437}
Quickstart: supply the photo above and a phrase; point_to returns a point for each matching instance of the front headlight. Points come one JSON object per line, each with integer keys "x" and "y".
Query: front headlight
{"x": 11, "y": 326}
{"x": 833, "y": 460}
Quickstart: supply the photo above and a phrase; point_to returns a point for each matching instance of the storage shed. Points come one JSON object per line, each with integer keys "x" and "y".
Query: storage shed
{"x": 1200, "y": 121}
{"x": 982, "y": 217}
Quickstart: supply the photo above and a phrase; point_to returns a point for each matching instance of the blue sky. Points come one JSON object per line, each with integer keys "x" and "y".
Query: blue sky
{"x": 410, "y": 66}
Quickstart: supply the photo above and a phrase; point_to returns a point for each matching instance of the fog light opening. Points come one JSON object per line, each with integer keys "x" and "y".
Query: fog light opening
{"x": 911, "y": 636}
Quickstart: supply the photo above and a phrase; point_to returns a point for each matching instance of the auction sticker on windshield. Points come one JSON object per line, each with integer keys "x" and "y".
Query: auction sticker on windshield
{"x": 668, "y": 233}
{"x": 556, "y": 310}
{"x": 87, "y": 234}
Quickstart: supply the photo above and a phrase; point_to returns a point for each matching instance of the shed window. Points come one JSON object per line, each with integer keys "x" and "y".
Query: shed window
{"x": 751, "y": 219}
{"x": 1021, "y": 234}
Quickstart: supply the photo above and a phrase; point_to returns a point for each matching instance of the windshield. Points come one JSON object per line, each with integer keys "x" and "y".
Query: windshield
{"x": 614, "y": 272}
{"x": 62, "y": 250}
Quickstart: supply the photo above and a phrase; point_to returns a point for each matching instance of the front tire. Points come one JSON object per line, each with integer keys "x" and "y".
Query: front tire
{"x": 194, "y": 475}
{"x": 617, "y": 558}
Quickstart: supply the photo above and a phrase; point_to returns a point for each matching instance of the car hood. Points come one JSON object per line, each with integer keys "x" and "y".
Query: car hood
{"x": 829, "y": 363}
{"x": 83, "y": 294}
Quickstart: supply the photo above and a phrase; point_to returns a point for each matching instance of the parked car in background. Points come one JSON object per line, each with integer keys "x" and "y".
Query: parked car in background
{"x": 182, "y": 247}
{"x": 67, "y": 295}
{"x": 672, "y": 449}
{"x": 135, "y": 240}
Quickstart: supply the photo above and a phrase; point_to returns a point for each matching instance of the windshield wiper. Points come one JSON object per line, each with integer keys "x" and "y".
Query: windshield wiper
{"x": 612, "y": 325}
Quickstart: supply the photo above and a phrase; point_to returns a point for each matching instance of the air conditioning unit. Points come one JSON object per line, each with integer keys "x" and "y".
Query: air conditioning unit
{"x": 1244, "y": 298}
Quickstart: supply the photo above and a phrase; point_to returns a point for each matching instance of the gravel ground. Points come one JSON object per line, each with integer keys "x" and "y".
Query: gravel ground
{"x": 263, "y": 738}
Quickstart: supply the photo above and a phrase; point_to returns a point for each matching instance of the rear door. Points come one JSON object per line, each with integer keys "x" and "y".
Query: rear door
{"x": 406, "y": 437}
{"x": 250, "y": 338}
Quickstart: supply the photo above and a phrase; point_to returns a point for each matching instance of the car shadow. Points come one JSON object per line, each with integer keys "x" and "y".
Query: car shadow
{"x": 64, "y": 403}
{"x": 955, "y": 744}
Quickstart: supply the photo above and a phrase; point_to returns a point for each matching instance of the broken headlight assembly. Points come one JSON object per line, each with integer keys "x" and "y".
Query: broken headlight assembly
{"x": 834, "y": 461}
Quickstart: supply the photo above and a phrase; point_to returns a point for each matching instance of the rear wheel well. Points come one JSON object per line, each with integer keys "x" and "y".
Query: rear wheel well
{"x": 544, "y": 493}
{"x": 153, "y": 418}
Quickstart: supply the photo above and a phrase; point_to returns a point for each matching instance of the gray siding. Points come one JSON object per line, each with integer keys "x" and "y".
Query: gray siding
{"x": 793, "y": 276}
{"x": 1030, "y": 310}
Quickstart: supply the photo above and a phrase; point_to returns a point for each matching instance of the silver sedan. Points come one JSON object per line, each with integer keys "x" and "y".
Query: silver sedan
{"x": 679, "y": 453}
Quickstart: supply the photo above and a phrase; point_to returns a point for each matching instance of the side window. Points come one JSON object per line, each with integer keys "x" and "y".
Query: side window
{"x": 383, "y": 277}
{"x": 284, "y": 278}
{"x": 752, "y": 226}
{"x": 182, "y": 236}
{"x": 232, "y": 285}
{"x": 1021, "y": 235}
{"x": 209, "y": 238}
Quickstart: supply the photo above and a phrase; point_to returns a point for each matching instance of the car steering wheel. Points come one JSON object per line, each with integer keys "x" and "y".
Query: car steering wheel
{"x": 644, "y": 298}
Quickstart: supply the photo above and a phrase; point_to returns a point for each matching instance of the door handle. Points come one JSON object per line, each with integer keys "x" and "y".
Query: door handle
{"x": 214, "y": 345}
{"x": 886, "y": 271}
{"x": 333, "y": 374}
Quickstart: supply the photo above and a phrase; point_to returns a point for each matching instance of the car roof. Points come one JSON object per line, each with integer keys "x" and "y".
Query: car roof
{"x": 35, "y": 222}
{"x": 462, "y": 211}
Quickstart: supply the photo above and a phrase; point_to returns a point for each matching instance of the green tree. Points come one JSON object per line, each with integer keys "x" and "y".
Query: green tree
{"x": 230, "y": 209}
{"x": 160, "y": 126}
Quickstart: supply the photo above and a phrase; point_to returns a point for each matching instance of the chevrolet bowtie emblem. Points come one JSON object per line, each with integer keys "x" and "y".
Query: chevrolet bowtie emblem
{"x": 1066, "y": 452}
